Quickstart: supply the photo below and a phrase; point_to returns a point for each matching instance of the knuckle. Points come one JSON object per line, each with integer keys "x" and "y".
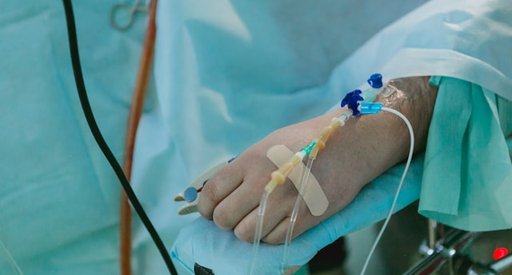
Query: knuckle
{"x": 206, "y": 202}
{"x": 209, "y": 191}
{"x": 204, "y": 210}
{"x": 243, "y": 234}
{"x": 221, "y": 218}
{"x": 274, "y": 239}
{"x": 212, "y": 189}
{"x": 251, "y": 153}
{"x": 217, "y": 177}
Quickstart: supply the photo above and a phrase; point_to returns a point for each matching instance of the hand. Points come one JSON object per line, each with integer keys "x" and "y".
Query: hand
{"x": 356, "y": 153}
{"x": 232, "y": 196}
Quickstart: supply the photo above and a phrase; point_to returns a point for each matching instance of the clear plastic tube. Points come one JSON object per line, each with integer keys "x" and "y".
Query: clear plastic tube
{"x": 15, "y": 267}
{"x": 319, "y": 144}
{"x": 391, "y": 210}
{"x": 289, "y": 232}
{"x": 278, "y": 177}
{"x": 259, "y": 230}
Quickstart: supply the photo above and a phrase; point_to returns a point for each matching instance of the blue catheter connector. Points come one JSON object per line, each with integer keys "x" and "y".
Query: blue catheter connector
{"x": 370, "y": 108}
{"x": 375, "y": 81}
{"x": 352, "y": 101}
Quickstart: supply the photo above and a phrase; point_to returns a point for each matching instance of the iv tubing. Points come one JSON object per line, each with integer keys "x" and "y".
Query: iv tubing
{"x": 409, "y": 158}
{"x": 259, "y": 229}
{"x": 320, "y": 142}
{"x": 278, "y": 177}
{"x": 289, "y": 232}
{"x": 11, "y": 259}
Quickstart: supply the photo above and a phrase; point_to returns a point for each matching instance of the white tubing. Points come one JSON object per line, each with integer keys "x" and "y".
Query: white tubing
{"x": 411, "y": 150}
{"x": 15, "y": 265}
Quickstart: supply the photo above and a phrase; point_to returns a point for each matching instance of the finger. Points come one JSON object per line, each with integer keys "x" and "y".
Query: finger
{"x": 278, "y": 233}
{"x": 230, "y": 211}
{"x": 276, "y": 210}
{"x": 303, "y": 221}
{"x": 246, "y": 229}
{"x": 243, "y": 200}
{"x": 218, "y": 187}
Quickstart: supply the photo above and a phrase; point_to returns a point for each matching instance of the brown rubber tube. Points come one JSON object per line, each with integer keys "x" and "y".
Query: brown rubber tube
{"x": 143, "y": 75}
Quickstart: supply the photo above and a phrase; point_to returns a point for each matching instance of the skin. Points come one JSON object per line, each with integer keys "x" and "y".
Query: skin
{"x": 355, "y": 154}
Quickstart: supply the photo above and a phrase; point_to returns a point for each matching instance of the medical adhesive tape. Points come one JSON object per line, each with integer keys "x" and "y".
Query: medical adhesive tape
{"x": 313, "y": 194}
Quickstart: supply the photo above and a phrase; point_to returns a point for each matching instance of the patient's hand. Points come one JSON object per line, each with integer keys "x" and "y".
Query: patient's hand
{"x": 355, "y": 154}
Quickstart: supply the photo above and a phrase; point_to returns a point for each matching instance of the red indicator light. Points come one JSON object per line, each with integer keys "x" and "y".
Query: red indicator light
{"x": 499, "y": 253}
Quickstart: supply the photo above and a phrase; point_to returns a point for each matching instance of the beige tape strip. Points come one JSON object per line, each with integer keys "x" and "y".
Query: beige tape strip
{"x": 313, "y": 195}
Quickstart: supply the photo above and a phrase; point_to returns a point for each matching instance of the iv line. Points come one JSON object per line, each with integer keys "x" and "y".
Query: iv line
{"x": 259, "y": 229}
{"x": 409, "y": 158}
{"x": 13, "y": 262}
{"x": 295, "y": 212}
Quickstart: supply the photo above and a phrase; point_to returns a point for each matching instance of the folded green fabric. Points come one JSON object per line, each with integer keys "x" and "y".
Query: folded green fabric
{"x": 467, "y": 177}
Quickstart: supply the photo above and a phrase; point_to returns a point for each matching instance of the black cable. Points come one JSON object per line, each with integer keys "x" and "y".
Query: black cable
{"x": 89, "y": 116}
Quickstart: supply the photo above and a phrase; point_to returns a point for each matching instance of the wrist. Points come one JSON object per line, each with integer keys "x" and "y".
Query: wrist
{"x": 414, "y": 97}
{"x": 374, "y": 143}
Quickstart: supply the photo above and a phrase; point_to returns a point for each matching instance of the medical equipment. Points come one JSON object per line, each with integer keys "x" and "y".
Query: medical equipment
{"x": 442, "y": 251}
{"x": 278, "y": 177}
{"x": 86, "y": 108}
{"x": 259, "y": 229}
{"x": 143, "y": 75}
{"x": 393, "y": 205}
{"x": 314, "y": 197}
{"x": 7, "y": 255}
{"x": 130, "y": 11}
{"x": 319, "y": 145}
{"x": 449, "y": 250}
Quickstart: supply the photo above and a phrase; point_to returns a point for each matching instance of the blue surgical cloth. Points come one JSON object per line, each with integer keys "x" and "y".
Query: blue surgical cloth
{"x": 468, "y": 159}
{"x": 467, "y": 178}
{"x": 469, "y": 40}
